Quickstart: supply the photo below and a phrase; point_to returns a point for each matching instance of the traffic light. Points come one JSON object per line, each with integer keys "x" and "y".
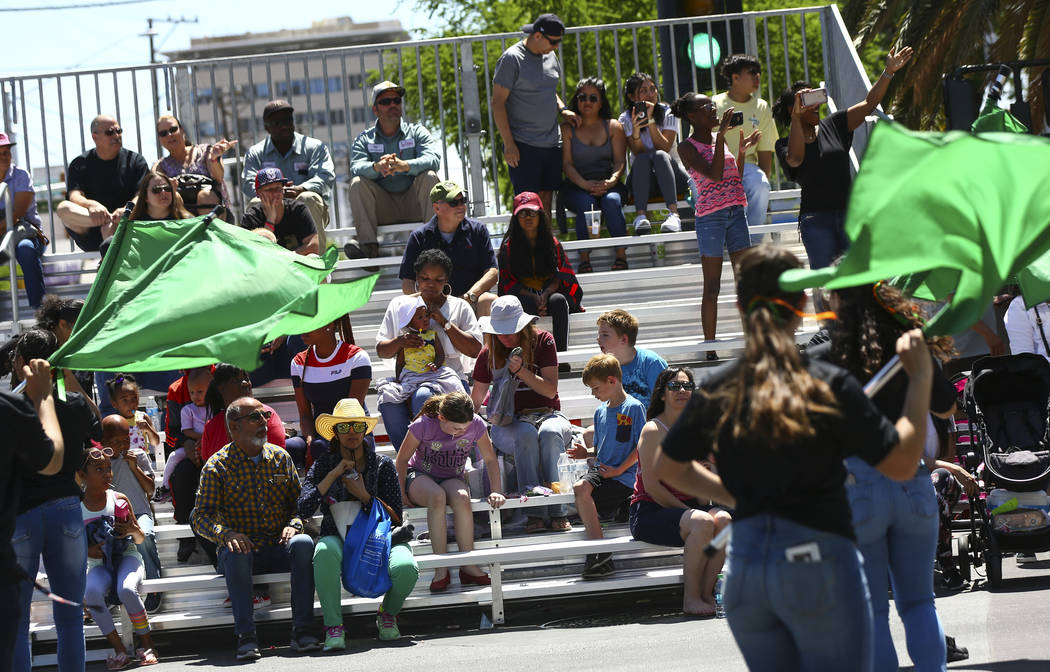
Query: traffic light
{"x": 697, "y": 47}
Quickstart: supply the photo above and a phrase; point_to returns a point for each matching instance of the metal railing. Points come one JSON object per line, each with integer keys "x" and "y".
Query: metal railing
{"x": 8, "y": 245}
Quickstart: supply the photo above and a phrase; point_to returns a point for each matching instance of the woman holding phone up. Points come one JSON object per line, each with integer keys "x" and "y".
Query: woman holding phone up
{"x": 816, "y": 155}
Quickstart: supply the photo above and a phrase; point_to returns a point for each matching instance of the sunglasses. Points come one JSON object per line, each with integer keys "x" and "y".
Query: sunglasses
{"x": 171, "y": 131}
{"x": 99, "y": 453}
{"x": 553, "y": 42}
{"x": 116, "y": 130}
{"x": 755, "y": 71}
{"x": 585, "y": 97}
{"x": 346, "y": 427}
{"x": 255, "y": 416}
{"x": 528, "y": 213}
{"x": 677, "y": 385}
{"x": 389, "y": 101}
{"x": 160, "y": 190}
{"x": 456, "y": 202}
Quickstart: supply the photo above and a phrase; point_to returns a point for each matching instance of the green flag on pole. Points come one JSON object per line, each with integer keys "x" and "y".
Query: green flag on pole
{"x": 181, "y": 294}
{"x": 966, "y": 211}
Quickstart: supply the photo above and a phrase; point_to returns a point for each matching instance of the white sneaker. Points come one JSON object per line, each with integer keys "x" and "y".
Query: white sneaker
{"x": 1024, "y": 558}
{"x": 641, "y": 225}
{"x": 673, "y": 224}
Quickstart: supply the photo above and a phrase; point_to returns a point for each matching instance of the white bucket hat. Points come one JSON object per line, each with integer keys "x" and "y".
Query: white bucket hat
{"x": 506, "y": 317}
{"x": 405, "y": 308}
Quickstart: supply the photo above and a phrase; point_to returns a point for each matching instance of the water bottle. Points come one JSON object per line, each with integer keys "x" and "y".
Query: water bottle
{"x": 566, "y": 470}
{"x": 720, "y": 607}
{"x": 153, "y": 411}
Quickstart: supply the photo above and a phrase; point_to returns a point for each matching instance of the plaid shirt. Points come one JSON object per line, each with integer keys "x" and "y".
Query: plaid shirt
{"x": 238, "y": 495}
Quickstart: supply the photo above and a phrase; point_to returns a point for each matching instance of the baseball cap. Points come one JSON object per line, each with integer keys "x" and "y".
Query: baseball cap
{"x": 527, "y": 200}
{"x": 6, "y": 140}
{"x": 269, "y": 176}
{"x": 383, "y": 87}
{"x": 443, "y": 191}
{"x": 548, "y": 24}
{"x": 275, "y": 106}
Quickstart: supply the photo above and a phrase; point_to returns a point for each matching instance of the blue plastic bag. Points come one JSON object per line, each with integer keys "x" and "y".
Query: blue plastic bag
{"x": 366, "y": 553}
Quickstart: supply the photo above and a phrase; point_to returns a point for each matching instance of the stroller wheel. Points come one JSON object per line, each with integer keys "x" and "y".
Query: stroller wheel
{"x": 994, "y": 560}
{"x": 964, "y": 557}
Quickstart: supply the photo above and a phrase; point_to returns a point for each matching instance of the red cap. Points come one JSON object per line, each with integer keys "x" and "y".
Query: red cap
{"x": 5, "y": 140}
{"x": 527, "y": 200}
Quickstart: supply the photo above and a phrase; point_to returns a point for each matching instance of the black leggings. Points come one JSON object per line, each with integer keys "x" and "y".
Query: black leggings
{"x": 557, "y": 308}
{"x": 948, "y": 493}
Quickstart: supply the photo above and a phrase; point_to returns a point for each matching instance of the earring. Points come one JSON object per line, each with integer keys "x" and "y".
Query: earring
{"x": 447, "y": 289}
{"x": 417, "y": 287}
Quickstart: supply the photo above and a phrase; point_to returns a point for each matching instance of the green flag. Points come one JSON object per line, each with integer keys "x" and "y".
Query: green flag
{"x": 1035, "y": 281}
{"x": 967, "y": 211}
{"x": 180, "y": 294}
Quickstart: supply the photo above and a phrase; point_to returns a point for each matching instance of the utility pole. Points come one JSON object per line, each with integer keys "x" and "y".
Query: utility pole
{"x": 150, "y": 33}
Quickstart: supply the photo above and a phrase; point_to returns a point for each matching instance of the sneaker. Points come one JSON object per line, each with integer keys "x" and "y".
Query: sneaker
{"x": 641, "y": 225}
{"x": 162, "y": 495}
{"x": 302, "y": 641}
{"x": 387, "y": 626}
{"x": 186, "y": 549}
{"x": 673, "y": 224}
{"x": 353, "y": 250}
{"x": 1024, "y": 558}
{"x": 258, "y": 602}
{"x": 951, "y": 579}
{"x": 955, "y": 652}
{"x": 334, "y": 639}
{"x": 248, "y": 647}
{"x": 152, "y": 602}
{"x": 600, "y": 567}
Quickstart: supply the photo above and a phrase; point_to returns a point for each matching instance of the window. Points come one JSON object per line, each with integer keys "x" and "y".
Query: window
{"x": 317, "y": 85}
{"x": 362, "y": 115}
{"x": 320, "y": 118}
{"x": 356, "y": 81}
{"x": 262, "y": 90}
{"x": 207, "y": 129}
{"x": 337, "y": 117}
{"x": 204, "y": 96}
{"x": 335, "y": 85}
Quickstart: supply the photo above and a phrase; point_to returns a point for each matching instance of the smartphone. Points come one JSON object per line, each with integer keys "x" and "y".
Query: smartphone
{"x": 814, "y": 97}
{"x": 640, "y": 109}
{"x": 736, "y": 120}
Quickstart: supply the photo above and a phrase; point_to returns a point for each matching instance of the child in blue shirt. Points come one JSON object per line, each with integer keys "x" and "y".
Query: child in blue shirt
{"x": 608, "y": 485}
{"x": 617, "y": 334}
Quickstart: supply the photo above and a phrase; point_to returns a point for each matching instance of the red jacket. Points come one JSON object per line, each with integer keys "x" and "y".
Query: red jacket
{"x": 569, "y": 287}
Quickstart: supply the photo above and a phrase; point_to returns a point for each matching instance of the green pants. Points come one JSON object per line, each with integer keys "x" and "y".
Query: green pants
{"x": 328, "y": 567}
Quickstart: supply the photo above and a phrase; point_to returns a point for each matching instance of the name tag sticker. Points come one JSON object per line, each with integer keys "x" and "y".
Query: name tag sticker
{"x": 407, "y": 143}
{"x": 269, "y": 164}
{"x": 300, "y": 167}
{"x": 375, "y": 148}
{"x": 280, "y": 478}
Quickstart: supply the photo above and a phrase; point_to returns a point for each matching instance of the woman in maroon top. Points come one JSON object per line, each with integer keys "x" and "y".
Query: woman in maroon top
{"x": 538, "y": 433}
{"x": 662, "y": 515}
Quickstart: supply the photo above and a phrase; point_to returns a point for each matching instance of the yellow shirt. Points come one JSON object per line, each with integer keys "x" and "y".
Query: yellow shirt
{"x": 417, "y": 360}
{"x": 757, "y": 116}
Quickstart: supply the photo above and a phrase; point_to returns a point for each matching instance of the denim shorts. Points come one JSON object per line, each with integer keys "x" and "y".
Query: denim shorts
{"x": 538, "y": 169}
{"x": 725, "y": 228}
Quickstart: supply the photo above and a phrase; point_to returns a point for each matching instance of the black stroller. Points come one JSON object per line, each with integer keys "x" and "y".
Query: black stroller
{"x": 1008, "y": 403}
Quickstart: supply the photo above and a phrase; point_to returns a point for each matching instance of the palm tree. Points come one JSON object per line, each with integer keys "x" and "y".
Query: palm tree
{"x": 946, "y": 34}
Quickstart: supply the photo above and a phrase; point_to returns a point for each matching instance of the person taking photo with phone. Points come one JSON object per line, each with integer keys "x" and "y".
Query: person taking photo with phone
{"x": 816, "y": 155}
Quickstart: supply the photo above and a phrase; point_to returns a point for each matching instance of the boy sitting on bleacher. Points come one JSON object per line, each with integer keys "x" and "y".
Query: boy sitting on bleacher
{"x": 617, "y": 334}
{"x": 608, "y": 485}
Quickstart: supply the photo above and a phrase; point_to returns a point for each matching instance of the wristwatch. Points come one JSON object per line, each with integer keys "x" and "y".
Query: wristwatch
{"x": 296, "y": 525}
{"x": 473, "y": 297}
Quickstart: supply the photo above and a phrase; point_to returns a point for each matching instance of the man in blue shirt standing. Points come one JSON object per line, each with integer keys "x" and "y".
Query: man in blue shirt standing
{"x": 466, "y": 242}
{"x": 305, "y": 161}
{"x": 30, "y": 240}
{"x": 394, "y": 166}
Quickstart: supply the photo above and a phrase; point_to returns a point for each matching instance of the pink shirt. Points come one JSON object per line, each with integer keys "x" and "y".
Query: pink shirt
{"x": 725, "y": 193}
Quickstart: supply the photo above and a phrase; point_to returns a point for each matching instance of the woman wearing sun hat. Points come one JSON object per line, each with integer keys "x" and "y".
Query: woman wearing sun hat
{"x": 538, "y": 434}
{"x": 350, "y": 471}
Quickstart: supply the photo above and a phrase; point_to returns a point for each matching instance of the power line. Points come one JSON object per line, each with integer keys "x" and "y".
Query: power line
{"x": 91, "y": 5}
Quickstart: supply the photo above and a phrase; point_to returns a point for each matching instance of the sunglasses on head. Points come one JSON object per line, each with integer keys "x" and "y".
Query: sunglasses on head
{"x": 255, "y": 416}
{"x": 161, "y": 189}
{"x": 357, "y": 427}
{"x": 677, "y": 385}
{"x": 116, "y": 130}
{"x": 587, "y": 97}
{"x": 171, "y": 131}
{"x": 389, "y": 101}
{"x": 99, "y": 453}
{"x": 456, "y": 202}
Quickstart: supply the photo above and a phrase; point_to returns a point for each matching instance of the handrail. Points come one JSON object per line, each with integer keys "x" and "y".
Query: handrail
{"x": 8, "y": 245}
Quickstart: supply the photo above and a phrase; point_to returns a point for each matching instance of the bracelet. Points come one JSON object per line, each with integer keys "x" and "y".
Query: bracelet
{"x": 887, "y": 74}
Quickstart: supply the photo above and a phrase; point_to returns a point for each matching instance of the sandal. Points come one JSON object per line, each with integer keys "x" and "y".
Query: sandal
{"x": 117, "y": 661}
{"x": 620, "y": 264}
{"x": 534, "y": 525}
{"x": 584, "y": 267}
{"x": 561, "y": 524}
{"x": 147, "y": 656}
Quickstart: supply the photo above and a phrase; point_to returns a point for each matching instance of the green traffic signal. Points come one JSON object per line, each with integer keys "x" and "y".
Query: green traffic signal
{"x": 704, "y": 51}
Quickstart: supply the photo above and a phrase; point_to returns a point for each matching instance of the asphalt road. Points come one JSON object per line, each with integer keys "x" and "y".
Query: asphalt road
{"x": 1005, "y": 631}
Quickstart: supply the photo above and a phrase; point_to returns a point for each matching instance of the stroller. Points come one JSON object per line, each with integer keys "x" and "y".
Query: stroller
{"x": 1008, "y": 403}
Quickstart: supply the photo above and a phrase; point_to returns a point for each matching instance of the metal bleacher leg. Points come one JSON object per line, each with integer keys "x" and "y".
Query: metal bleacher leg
{"x": 496, "y": 569}
{"x": 127, "y": 631}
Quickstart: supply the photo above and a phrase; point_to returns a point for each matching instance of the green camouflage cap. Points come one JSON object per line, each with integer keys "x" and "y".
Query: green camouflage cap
{"x": 443, "y": 191}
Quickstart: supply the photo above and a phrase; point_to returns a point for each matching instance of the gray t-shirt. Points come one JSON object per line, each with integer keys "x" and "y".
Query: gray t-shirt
{"x": 532, "y": 107}
{"x": 125, "y": 482}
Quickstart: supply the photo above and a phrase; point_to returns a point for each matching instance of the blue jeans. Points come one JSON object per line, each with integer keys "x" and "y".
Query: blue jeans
{"x": 396, "y": 417}
{"x": 148, "y": 547}
{"x": 611, "y": 205}
{"x": 296, "y": 447}
{"x": 756, "y": 187}
{"x": 55, "y": 530}
{"x": 722, "y": 229}
{"x": 896, "y": 525}
{"x": 823, "y": 236}
{"x": 28, "y": 253}
{"x": 535, "y": 451}
{"x": 296, "y": 556}
{"x": 796, "y": 615}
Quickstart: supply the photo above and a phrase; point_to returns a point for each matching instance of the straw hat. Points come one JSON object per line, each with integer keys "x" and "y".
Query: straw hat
{"x": 347, "y": 410}
{"x": 506, "y": 316}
